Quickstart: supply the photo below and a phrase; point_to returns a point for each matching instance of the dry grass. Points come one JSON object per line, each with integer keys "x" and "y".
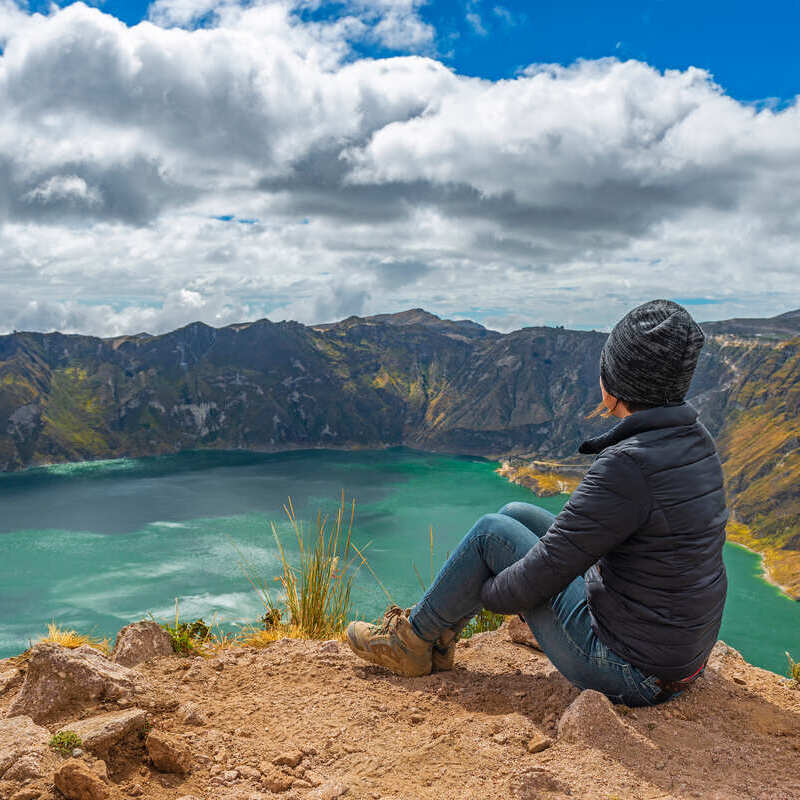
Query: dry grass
{"x": 317, "y": 589}
{"x": 794, "y": 668}
{"x": 73, "y": 639}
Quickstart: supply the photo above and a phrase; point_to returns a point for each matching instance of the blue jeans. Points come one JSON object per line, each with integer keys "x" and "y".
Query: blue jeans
{"x": 562, "y": 625}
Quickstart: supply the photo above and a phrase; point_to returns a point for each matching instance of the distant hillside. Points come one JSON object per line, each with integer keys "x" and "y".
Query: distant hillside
{"x": 409, "y": 378}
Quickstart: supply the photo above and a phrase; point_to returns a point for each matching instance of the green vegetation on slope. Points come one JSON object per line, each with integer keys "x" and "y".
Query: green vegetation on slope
{"x": 410, "y": 379}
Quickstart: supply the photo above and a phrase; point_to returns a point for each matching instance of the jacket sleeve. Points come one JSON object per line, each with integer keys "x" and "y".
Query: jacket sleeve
{"x": 611, "y": 502}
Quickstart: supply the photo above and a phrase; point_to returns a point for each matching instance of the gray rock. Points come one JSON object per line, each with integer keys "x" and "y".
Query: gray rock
{"x": 103, "y": 731}
{"x": 22, "y": 740}
{"x": 61, "y": 679}
{"x": 139, "y": 642}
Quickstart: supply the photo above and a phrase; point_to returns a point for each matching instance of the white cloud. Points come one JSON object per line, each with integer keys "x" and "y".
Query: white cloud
{"x": 474, "y": 18}
{"x": 63, "y": 187}
{"x": 506, "y": 16}
{"x": 394, "y": 24}
{"x": 564, "y": 195}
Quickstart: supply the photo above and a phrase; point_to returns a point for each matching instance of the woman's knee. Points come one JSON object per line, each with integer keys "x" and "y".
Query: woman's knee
{"x": 492, "y": 530}
{"x": 494, "y": 524}
{"x": 515, "y": 509}
{"x": 535, "y": 518}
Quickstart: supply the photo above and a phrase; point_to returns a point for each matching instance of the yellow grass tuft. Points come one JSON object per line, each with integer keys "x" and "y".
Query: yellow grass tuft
{"x": 317, "y": 588}
{"x": 73, "y": 639}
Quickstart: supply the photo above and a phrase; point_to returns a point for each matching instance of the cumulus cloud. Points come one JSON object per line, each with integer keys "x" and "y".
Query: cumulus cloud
{"x": 63, "y": 188}
{"x": 130, "y": 154}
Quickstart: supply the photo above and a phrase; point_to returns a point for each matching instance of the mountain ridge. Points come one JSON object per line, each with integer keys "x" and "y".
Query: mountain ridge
{"x": 404, "y": 379}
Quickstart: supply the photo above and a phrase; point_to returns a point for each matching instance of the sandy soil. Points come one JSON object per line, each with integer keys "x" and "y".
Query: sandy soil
{"x": 360, "y": 732}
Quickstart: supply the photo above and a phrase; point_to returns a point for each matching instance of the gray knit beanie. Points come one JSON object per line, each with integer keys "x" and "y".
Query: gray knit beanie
{"x": 650, "y": 355}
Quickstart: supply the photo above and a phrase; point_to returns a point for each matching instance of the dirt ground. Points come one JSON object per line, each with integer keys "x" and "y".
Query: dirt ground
{"x": 356, "y": 731}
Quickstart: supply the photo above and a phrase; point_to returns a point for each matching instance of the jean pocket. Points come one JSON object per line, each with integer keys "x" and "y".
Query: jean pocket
{"x": 649, "y": 689}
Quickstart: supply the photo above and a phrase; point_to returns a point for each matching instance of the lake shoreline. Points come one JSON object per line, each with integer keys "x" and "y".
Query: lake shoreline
{"x": 765, "y": 575}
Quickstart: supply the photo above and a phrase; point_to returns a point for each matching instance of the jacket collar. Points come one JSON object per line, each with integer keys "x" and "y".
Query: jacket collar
{"x": 647, "y": 420}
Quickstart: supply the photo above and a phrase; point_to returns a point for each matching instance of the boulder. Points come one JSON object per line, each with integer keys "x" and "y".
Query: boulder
{"x": 590, "y": 719}
{"x": 168, "y": 753}
{"x": 24, "y": 747}
{"x": 60, "y": 679}
{"x": 139, "y": 642}
{"x": 517, "y": 631}
{"x": 77, "y": 781}
{"x": 99, "y": 733}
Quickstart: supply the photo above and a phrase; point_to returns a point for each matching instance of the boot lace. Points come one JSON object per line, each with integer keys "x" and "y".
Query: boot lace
{"x": 390, "y": 617}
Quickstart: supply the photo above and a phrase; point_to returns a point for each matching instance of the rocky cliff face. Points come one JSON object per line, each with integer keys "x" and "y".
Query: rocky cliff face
{"x": 408, "y": 378}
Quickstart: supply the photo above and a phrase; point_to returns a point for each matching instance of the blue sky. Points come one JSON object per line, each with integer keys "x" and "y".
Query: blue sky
{"x": 750, "y": 48}
{"x": 519, "y": 163}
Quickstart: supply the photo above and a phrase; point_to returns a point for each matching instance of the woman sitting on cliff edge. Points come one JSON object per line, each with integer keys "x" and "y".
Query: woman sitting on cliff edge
{"x": 624, "y": 588}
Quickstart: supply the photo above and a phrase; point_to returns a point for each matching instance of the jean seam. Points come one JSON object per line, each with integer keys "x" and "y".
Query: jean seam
{"x": 570, "y": 641}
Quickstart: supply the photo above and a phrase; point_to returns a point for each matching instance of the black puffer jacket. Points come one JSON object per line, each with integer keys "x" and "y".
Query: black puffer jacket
{"x": 646, "y": 526}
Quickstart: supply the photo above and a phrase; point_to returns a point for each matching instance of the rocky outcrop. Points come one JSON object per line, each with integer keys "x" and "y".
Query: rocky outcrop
{"x": 302, "y": 720}
{"x": 60, "y": 680}
{"x": 24, "y": 750}
{"x": 100, "y": 733}
{"x": 140, "y": 641}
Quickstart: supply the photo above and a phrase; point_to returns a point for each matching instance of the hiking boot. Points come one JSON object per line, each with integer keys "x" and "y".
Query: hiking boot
{"x": 392, "y": 644}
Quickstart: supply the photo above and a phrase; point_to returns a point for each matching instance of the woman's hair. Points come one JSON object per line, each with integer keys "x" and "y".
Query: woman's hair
{"x": 602, "y": 410}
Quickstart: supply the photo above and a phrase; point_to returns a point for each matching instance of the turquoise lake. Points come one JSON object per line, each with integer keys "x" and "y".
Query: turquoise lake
{"x": 96, "y": 545}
